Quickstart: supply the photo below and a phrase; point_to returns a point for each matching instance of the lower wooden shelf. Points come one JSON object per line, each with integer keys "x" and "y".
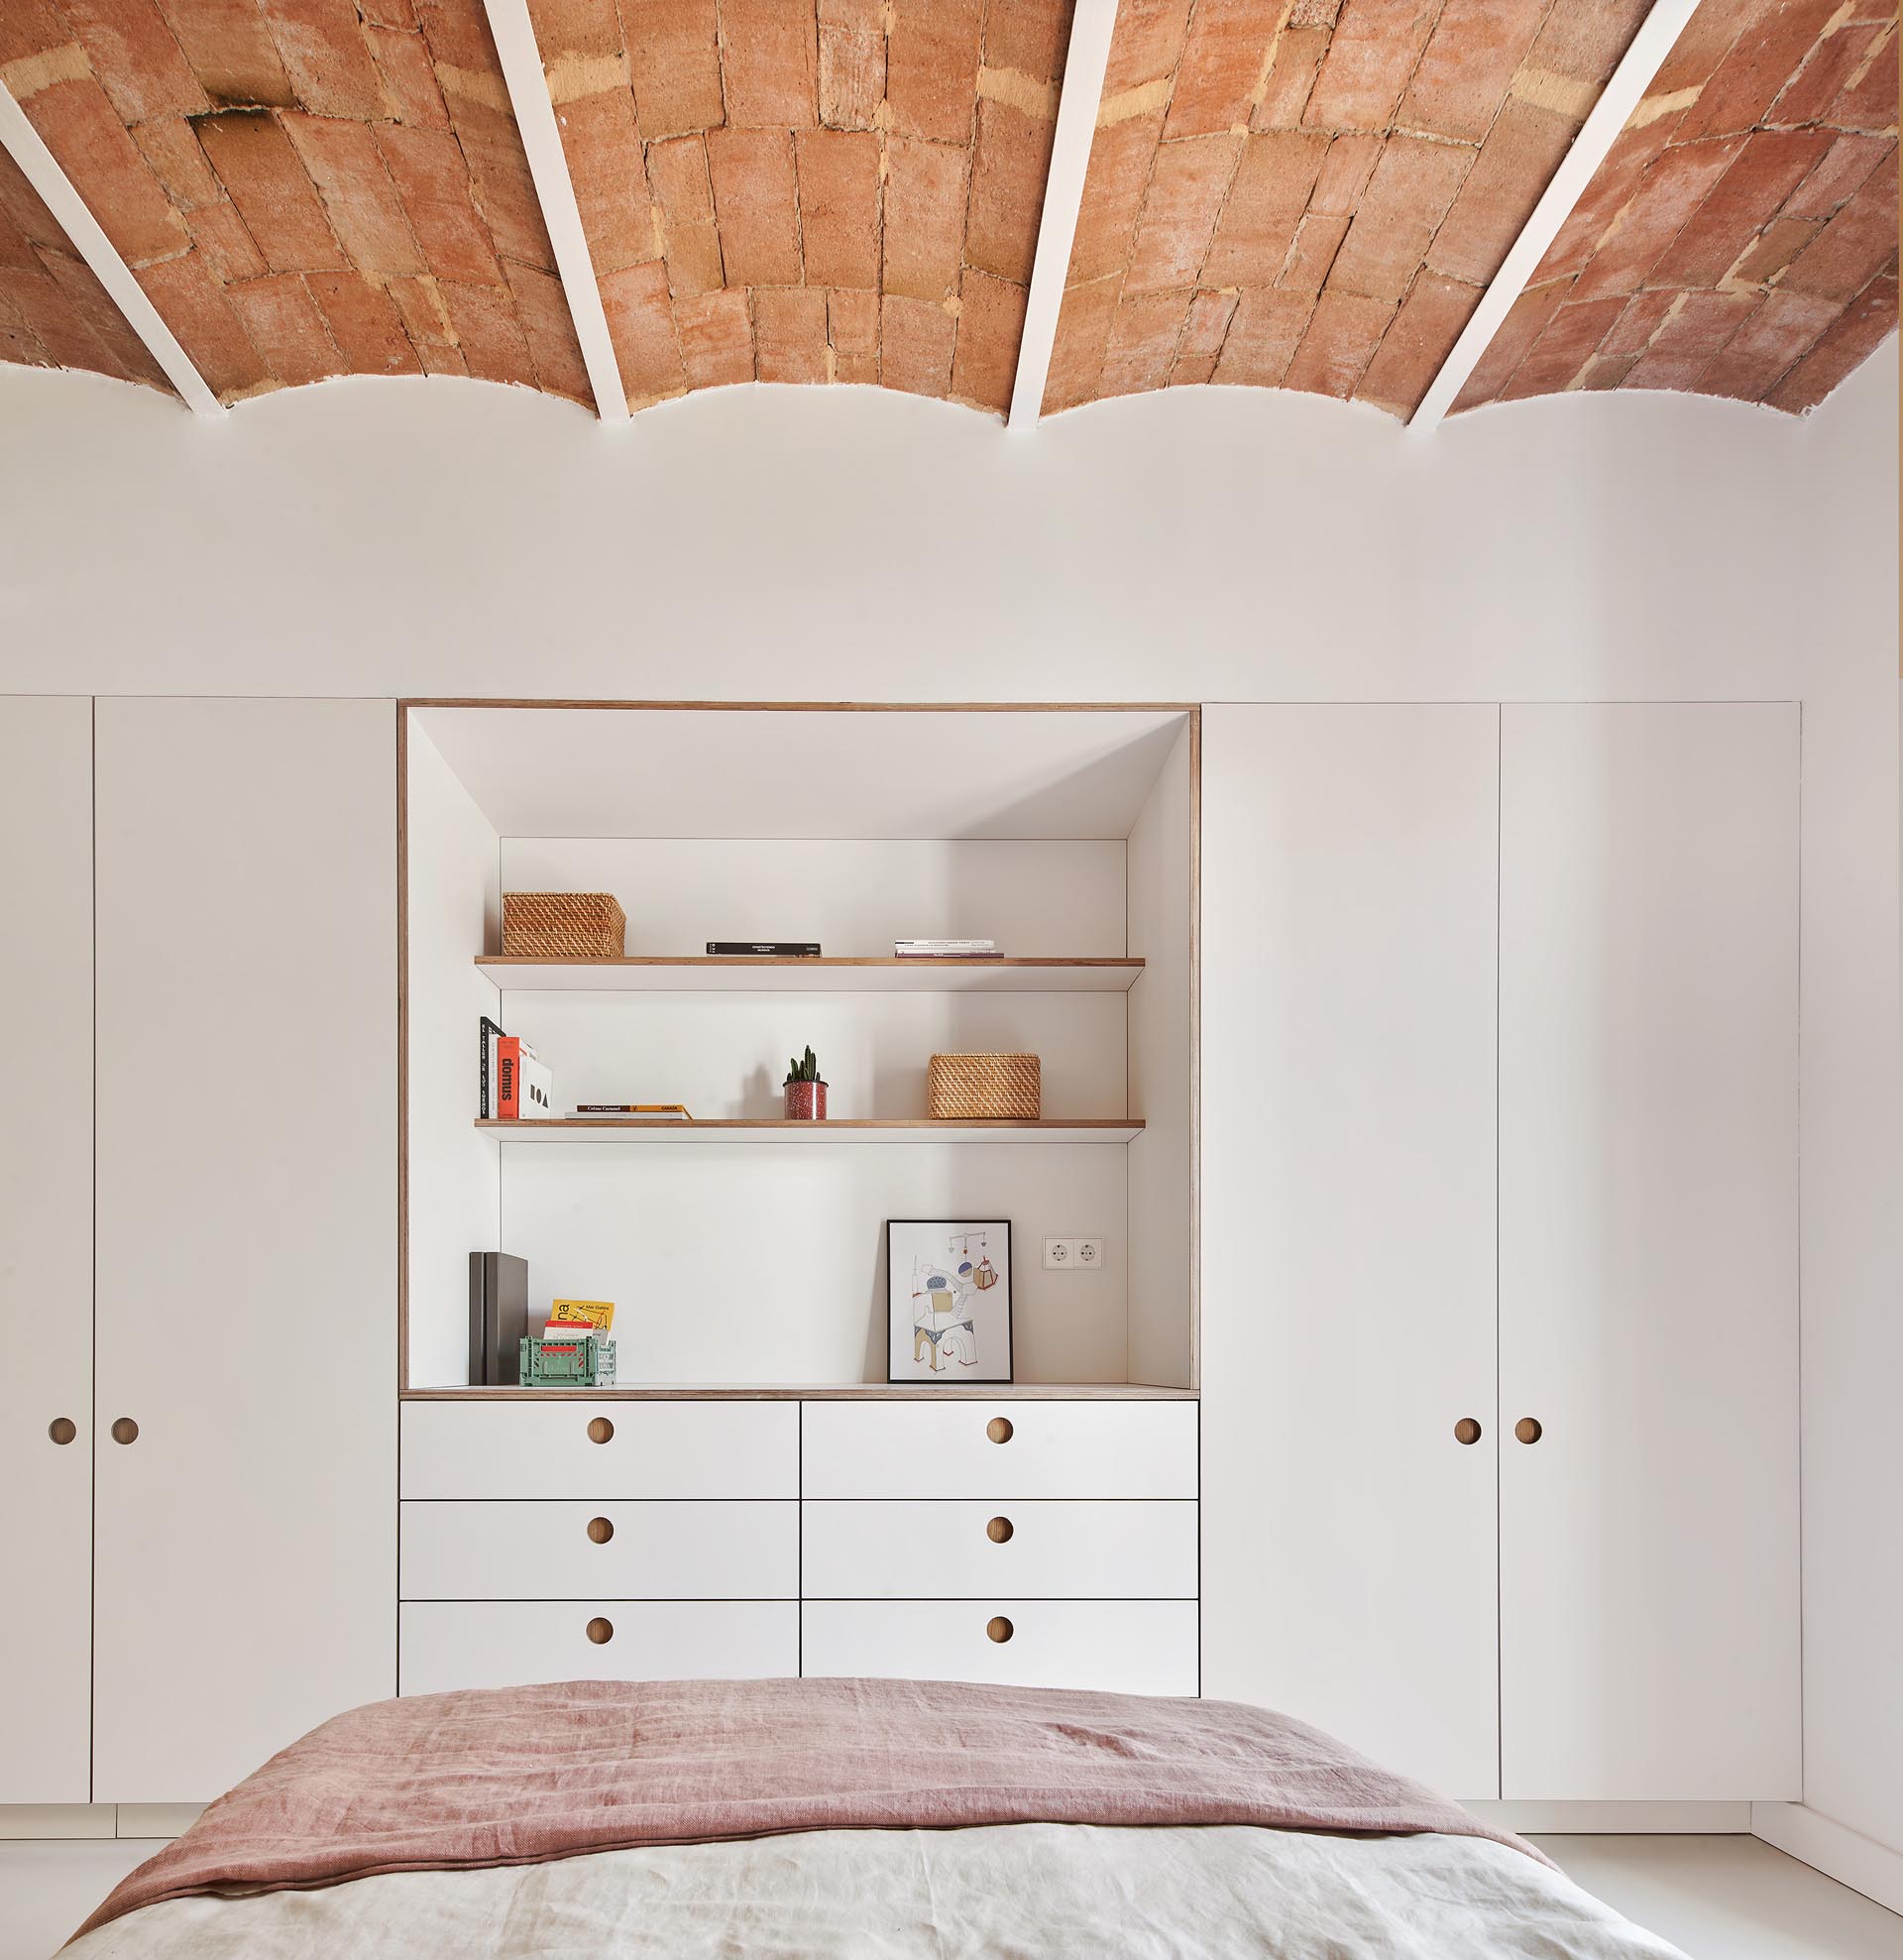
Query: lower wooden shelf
{"x": 845, "y": 1130}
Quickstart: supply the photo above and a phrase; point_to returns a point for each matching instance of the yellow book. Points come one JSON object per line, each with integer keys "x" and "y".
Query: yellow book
{"x": 595, "y": 1313}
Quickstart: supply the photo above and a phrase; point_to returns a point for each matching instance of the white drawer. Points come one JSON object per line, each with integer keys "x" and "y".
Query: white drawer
{"x": 504, "y": 1643}
{"x": 651, "y": 1450}
{"x": 1051, "y": 1449}
{"x": 615, "y": 1550}
{"x": 1120, "y": 1645}
{"x": 937, "y": 1548}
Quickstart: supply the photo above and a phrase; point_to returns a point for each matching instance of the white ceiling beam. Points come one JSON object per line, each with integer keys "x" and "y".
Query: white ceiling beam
{"x": 528, "y": 95}
{"x": 37, "y": 164}
{"x": 1085, "y": 64}
{"x": 1623, "y": 93}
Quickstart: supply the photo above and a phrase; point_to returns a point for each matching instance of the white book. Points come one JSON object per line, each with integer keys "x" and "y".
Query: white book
{"x": 537, "y": 1090}
{"x": 944, "y": 949}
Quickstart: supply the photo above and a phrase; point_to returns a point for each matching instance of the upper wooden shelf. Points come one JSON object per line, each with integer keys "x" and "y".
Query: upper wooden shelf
{"x": 839, "y": 1129}
{"x": 817, "y": 1392}
{"x": 646, "y": 974}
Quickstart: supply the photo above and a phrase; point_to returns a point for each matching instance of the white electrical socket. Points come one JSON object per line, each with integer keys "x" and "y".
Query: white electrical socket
{"x": 1060, "y": 1251}
{"x": 1089, "y": 1252}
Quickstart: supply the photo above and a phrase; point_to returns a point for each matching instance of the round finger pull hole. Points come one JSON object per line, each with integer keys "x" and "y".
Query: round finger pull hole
{"x": 125, "y": 1429}
{"x": 999, "y": 1629}
{"x": 600, "y": 1429}
{"x": 998, "y": 1429}
{"x": 601, "y": 1632}
{"x": 1527, "y": 1429}
{"x": 63, "y": 1429}
{"x": 601, "y": 1530}
{"x": 998, "y": 1531}
{"x": 1466, "y": 1430}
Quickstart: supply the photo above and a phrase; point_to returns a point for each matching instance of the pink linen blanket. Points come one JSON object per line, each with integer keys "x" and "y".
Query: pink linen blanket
{"x": 521, "y": 1776}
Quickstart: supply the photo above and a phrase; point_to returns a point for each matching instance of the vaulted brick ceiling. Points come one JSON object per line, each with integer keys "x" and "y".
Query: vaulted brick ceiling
{"x": 1301, "y": 193}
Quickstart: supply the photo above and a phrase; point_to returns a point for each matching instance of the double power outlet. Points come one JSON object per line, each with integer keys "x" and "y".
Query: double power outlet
{"x": 1081, "y": 1254}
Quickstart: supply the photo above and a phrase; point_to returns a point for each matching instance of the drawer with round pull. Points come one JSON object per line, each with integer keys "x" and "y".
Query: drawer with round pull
{"x": 642, "y": 1548}
{"x": 936, "y": 1547}
{"x": 586, "y": 1448}
{"x": 1118, "y": 1645}
{"x": 1021, "y": 1449}
{"x": 504, "y": 1643}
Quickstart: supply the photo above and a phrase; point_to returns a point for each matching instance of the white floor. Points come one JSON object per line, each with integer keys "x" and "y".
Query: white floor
{"x": 1717, "y": 1898}
{"x": 1729, "y": 1897}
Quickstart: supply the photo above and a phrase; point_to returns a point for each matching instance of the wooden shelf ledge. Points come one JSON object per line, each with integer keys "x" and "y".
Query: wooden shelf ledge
{"x": 818, "y": 1392}
{"x": 845, "y": 1129}
{"x": 647, "y": 973}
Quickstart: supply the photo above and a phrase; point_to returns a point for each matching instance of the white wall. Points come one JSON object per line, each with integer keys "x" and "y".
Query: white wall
{"x": 779, "y": 543}
{"x": 455, "y": 1180}
{"x": 384, "y": 537}
{"x": 1161, "y": 906}
{"x": 1852, "y": 1136}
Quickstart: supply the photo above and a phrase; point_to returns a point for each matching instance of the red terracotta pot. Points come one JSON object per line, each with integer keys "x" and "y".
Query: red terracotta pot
{"x": 805, "y": 1102}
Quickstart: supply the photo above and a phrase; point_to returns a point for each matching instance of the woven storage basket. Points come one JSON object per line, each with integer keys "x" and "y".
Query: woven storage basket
{"x": 562, "y": 925}
{"x": 968, "y": 1085}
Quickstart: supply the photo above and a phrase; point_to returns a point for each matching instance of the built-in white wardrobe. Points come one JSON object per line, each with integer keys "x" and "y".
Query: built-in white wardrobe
{"x": 1439, "y": 1383}
{"x": 1499, "y": 1230}
{"x": 197, "y": 1437}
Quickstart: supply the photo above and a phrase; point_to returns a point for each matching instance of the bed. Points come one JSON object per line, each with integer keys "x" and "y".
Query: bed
{"x": 853, "y": 1818}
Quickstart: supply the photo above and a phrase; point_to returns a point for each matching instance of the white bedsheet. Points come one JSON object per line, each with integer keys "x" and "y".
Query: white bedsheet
{"x": 1018, "y": 1890}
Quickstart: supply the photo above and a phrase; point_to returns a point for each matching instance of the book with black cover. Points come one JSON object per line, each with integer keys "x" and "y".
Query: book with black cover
{"x": 497, "y": 1318}
{"x": 763, "y": 949}
{"x": 488, "y": 1034}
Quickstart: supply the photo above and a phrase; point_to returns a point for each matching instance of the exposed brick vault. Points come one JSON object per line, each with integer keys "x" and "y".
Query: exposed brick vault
{"x": 1283, "y": 194}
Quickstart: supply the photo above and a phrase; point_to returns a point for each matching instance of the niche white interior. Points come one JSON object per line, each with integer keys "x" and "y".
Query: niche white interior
{"x": 1065, "y": 834}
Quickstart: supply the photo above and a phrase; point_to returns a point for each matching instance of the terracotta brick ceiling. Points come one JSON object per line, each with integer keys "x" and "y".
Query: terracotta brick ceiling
{"x": 304, "y": 187}
{"x": 1290, "y": 193}
{"x": 776, "y": 193}
{"x": 1740, "y": 236}
{"x": 53, "y": 312}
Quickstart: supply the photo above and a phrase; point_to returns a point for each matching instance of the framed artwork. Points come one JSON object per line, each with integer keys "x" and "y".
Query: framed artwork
{"x": 947, "y": 1299}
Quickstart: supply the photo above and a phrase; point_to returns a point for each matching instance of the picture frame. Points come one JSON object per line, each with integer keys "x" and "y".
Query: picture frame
{"x": 948, "y": 1287}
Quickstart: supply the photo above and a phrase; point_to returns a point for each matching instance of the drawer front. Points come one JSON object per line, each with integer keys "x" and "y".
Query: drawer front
{"x": 650, "y": 1449}
{"x": 615, "y": 1549}
{"x": 451, "y": 1644}
{"x": 1096, "y": 1449}
{"x": 937, "y": 1548}
{"x": 1118, "y": 1646}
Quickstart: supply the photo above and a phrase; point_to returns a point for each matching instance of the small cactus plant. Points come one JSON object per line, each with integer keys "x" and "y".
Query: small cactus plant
{"x": 804, "y": 1090}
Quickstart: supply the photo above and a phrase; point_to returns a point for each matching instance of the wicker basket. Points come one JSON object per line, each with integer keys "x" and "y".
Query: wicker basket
{"x": 979, "y": 1085}
{"x": 562, "y": 925}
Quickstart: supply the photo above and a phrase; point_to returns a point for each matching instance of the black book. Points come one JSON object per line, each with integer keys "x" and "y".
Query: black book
{"x": 763, "y": 949}
{"x": 485, "y": 1104}
{"x": 498, "y": 1317}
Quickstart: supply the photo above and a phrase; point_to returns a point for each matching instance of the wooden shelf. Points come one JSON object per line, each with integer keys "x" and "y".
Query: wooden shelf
{"x": 648, "y": 974}
{"x": 858, "y": 1129}
{"x": 818, "y": 1392}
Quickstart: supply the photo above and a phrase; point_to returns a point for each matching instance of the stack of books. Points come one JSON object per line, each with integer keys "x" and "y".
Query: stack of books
{"x": 511, "y": 1082}
{"x": 945, "y": 949}
{"x": 655, "y": 1113}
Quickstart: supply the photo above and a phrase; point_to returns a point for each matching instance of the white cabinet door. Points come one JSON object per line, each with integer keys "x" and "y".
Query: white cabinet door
{"x": 1648, "y": 1251}
{"x": 679, "y": 1549}
{"x": 503, "y": 1643}
{"x": 1072, "y": 1549}
{"x": 247, "y": 1233}
{"x": 46, "y": 1249}
{"x": 1110, "y": 1646}
{"x": 998, "y": 1449}
{"x": 1349, "y": 859}
{"x": 585, "y": 1448}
